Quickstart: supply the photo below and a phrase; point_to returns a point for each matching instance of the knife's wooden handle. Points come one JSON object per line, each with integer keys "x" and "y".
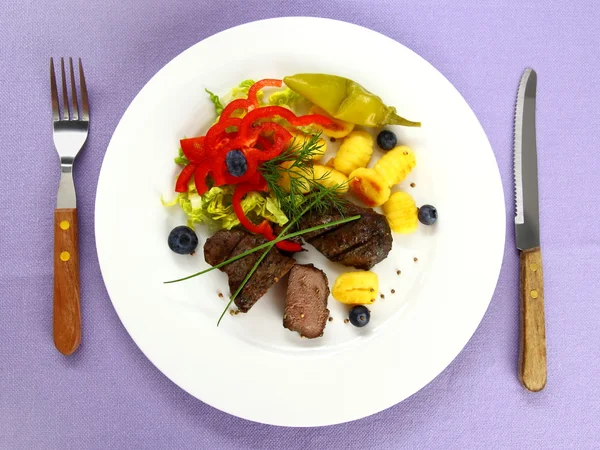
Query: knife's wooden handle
{"x": 67, "y": 316}
{"x": 532, "y": 360}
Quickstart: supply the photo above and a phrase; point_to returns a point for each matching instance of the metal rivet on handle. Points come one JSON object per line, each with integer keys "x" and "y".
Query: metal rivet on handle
{"x": 533, "y": 267}
{"x": 65, "y": 256}
{"x": 65, "y": 224}
{"x": 534, "y": 294}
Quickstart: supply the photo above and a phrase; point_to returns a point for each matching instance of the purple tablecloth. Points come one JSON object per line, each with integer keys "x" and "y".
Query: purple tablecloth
{"x": 109, "y": 396}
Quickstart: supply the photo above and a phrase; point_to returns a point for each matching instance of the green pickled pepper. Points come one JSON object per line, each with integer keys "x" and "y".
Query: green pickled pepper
{"x": 346, "y": 100}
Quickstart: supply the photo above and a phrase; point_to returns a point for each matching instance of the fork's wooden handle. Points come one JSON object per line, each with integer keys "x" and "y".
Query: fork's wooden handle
{"x": 67, "y": 316}
{"x": 532, "y": 360}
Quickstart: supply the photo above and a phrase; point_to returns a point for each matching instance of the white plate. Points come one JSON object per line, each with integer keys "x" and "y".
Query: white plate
{"x": 251, "y": 366}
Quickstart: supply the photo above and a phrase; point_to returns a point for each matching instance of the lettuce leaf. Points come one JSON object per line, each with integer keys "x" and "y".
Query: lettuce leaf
{"x": 241, "y": 91}
{"x": 273, "y": 211}
{"x": 181, "y": 159}
{"x": 216, "y": 101}
{"x": 287, "y": 97}
{"x": 214, "y": 208}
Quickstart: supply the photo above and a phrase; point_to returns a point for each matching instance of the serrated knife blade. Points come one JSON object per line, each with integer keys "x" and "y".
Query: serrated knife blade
{"x": 527, "y": 221}
{"x": 532, "y": 355}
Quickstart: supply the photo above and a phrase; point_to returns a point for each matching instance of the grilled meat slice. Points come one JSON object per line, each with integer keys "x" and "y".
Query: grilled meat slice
{"x": 361, "y": 244}
{"x": 219, "y": 246}
{"x": 366, "y": 255}
{"x": 273, "y": 267}
{"x": 313, "y": 219}
{"x": 306, "y": 301}
{"x": 351, "y": 234}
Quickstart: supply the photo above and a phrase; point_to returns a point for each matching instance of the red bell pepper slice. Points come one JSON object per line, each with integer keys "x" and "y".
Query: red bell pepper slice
{"x": 258, "y": 129}
{"x": 263, "y": 143}
{"x": 240, "y": 103}
{"x": 289, "y": 246}
{"x": 263, "y": 228}
{"x": 268, "y": 150}
{"x": 238, "y": 195}
{"x": 281, "y": 136}
{"x": 193, "y": 149}
{"x": 219, "y": 174}
{"x": 250, "y": 103}
{"x": 258, "y": 86}
{"x": 200, "y": 177}
{"x": 274, "y": 111}
{"x": 216, "y": 134}
{"x": 184, "y": 178}
{"x": 236, "y": 201}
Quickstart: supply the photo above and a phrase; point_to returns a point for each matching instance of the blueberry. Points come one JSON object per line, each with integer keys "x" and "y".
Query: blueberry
{"x": 183, "y": 240}
{"x": 236, "y": 163}
{"x": 359, "y": 316}
{"x": 386, "y": 140}
{"x": 427, "y": 214}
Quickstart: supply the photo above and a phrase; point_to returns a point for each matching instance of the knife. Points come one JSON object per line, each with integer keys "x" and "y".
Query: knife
{"x": 532, "y": 354}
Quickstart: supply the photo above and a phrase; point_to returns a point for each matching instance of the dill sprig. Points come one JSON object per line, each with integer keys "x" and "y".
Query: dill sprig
{"x": 294, "y": 164}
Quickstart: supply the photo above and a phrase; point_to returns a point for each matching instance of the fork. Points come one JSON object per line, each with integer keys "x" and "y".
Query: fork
{"x": 70, "y": 131}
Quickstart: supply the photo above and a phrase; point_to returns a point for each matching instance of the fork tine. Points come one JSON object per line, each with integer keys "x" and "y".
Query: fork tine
{"x": 53, "y": 92}
{"x": 85, "y": 109}
{"x": 65, "y": 105}
{"x": 74, "y": 106}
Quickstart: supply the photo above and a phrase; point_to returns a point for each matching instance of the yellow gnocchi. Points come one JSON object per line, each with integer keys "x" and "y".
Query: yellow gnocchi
{"x": 343, "y": 131}
{"x": 401, "y": 213}
{"x": 299, "y": 139}
{"x": 299, "y": 175}
{"x": 396, "y": 164}
{"x": 354, "y": 153}
{"x": 329, "y": 177}
{"x": 356, "y": 288}
{"x": 369, "y": 187}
